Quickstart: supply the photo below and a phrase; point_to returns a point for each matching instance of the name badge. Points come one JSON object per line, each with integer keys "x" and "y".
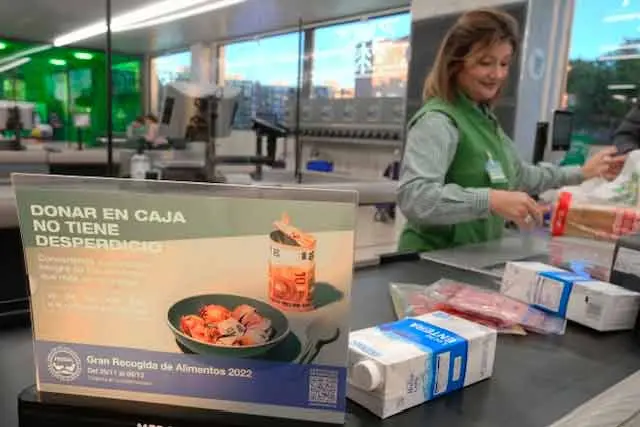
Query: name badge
{"x": 496, "y": 174}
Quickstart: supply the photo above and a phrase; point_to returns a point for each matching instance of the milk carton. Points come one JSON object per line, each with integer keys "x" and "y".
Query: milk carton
{"x": 598, "y": 305}
{"x": 402, "y": 364}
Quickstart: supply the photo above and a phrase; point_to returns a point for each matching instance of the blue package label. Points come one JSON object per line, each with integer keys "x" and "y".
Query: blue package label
{"x": 565, "y": 276}
{"x": 553, "y": 297}
{"x": 186, "y": 375}
{"x": 446, "y": 353}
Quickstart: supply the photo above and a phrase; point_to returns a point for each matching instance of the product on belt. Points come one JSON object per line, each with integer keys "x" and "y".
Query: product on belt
{"x": 484, "y": 306}
{"x": 291, "y": 267}
{"x": 593, "y": 221}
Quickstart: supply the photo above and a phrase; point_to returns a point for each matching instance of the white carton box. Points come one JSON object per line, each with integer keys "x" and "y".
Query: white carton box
{"x": 399, "y": 365}
{"x": 519, "y": 279}
{"x": 598, "y": 305}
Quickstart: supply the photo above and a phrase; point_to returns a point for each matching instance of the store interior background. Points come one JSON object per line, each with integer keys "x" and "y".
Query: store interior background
{"x": 365, "y": 49}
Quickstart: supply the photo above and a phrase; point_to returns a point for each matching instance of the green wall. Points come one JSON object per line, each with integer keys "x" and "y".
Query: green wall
{"x": 62, "y": 84}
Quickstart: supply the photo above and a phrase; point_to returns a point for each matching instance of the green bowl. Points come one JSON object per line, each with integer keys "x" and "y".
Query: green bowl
{"x": 192, "y": 305}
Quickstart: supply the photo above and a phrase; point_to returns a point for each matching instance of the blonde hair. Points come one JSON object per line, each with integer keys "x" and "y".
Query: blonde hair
{"x": 474, "y": 32}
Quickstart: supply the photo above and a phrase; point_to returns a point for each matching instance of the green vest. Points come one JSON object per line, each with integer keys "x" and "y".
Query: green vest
{"x": 480, "y": 139}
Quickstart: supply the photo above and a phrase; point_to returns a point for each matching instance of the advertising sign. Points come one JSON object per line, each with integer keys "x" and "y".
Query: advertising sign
{"x": 198, "y": 295}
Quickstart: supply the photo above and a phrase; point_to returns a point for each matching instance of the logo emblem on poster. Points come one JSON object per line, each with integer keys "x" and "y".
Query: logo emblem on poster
{"x": 64, "y": 364}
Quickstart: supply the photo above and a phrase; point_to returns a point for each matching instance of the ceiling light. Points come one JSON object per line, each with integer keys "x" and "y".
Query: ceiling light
{"x": 83, "y": 56}
{"x": 176, "y": 16}
{"x": 3, "y": 45}
{"x": 127, "y": 19}
{"x": 23, "y": 53}
{"x": 57, "y": 62}
{"x": 81, "y": 34}
{"x": 14, "y": 64}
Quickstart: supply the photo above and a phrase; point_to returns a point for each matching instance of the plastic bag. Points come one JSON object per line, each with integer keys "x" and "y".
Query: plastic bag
{"x": 483, "y": 306}
{"x": 622, "y": 191}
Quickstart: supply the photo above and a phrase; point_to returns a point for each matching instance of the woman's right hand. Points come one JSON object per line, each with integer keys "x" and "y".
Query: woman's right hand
{"x": 517, "y": 207}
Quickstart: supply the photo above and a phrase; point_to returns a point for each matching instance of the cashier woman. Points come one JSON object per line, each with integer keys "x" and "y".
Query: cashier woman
{"x": 461, "y": 176}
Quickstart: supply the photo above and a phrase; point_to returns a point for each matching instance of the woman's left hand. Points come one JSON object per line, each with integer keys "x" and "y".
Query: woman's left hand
{"x": 604, "y": 164}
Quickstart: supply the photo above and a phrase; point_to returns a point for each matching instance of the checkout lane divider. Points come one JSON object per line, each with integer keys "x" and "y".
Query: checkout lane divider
{"x": 615, "y": 407}
{"x": 492, "y": 274}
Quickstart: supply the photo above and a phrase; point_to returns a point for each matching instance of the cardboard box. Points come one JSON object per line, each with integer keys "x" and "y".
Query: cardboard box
{"x": 403, "y": 364}
{"x": 598, "y": 305}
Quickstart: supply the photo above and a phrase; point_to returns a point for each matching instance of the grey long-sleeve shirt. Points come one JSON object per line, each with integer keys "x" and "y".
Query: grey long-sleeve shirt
{"x": 425, "y": 199}
{"x": 627, "y": 136}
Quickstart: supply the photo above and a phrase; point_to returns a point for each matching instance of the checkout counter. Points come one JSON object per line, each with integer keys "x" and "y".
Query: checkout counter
{"x": 580, "y": 379}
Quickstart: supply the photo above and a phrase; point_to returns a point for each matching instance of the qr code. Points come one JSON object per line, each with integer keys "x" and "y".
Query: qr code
{"x": 323, "y": 387}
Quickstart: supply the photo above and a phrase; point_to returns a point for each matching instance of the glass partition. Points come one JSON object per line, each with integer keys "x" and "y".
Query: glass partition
{"x": 265, "y": 71}
{"x": 63, "y": 95}
{"x": 64, "y": 82}
{"x": 166, "y": 69}
{"x": 367, "y": 58}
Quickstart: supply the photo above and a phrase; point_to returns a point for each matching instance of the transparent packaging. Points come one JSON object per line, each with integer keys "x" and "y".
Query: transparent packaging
{"x": 573, "y": 218}
{"x": 483, "y": 306}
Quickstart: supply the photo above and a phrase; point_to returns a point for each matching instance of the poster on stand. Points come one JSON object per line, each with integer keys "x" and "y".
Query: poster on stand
{"x": 232, "y": 298}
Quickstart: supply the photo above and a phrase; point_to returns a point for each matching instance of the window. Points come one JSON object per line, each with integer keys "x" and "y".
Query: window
{"x": 362, "y": 59}
{"x": 167, "y": 69}
{"x": 604, "y": 66}
{"x": 265, "y": 71}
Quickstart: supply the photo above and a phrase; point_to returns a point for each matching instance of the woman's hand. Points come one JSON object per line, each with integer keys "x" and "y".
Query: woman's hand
{"x": 517, "y": 207}
{"x": 605, "y": 164}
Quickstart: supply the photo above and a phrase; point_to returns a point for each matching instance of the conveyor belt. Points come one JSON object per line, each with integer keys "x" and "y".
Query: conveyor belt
{"x": 537, "y": 379}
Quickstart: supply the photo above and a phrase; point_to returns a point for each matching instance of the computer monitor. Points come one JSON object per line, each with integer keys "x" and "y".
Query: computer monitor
{"x": 562, "y": 130}
{"x": 540, "y": 142}
{"x": 185, "y": 109}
